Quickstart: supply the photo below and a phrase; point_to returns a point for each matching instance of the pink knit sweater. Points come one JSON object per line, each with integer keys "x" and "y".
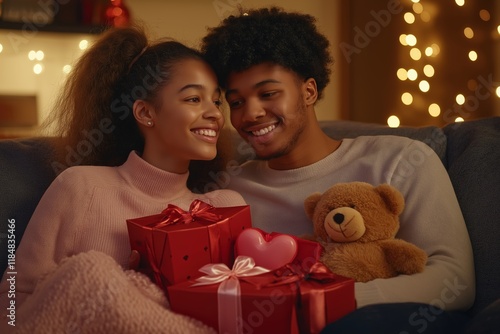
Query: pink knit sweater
{"x": 86, "y": 208}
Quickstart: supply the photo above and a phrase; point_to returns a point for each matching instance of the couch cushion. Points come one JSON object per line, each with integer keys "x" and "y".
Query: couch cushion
{"x": 25, "y": 174}
{"x": 431, "y": 135}
{"x": 473, "y": 156}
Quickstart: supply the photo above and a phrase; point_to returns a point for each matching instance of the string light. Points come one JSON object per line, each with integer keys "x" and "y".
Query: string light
{"x": 393, "y": 121}
{"x": 429, "y": 70}
{"x": 424, "y": 86}
{"x": 469, "y": 33}
{"x": 1, "y": 47}
{"x": 423, "y": 60}
{"x": 434, "y": 110}
{"x": 460, "y": 98}
{"x": 473, "y": 55}
{"x": 38, "y": 68}
{"x": 407, "y": 98}
{"x": 83, "y": 44}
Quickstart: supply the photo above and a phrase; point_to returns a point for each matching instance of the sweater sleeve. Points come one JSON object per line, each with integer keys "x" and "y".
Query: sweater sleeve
{"x": 433, "y": 221}
{"x": 48, "y": 238}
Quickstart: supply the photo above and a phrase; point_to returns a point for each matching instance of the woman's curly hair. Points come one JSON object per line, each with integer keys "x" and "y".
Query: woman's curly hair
{"x": 269, "y": 35}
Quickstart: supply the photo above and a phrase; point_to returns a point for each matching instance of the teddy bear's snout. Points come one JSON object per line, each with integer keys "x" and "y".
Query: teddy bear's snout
{"x": 338, "y": 218}
{"x": 344, "y": 224}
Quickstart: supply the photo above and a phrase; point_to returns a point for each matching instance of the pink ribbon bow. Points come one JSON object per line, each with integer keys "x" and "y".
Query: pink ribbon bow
{"x": 228, "y": 293}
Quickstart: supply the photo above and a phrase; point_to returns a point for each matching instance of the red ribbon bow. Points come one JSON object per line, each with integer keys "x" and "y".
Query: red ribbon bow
{"x": 197, "y": 210}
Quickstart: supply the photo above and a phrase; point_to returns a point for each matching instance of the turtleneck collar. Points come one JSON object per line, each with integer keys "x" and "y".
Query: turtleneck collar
{"x": 152, "y": 180}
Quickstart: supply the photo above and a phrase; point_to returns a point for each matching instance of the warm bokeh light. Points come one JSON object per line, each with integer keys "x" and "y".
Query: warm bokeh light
{"x": 429, "y": 70}
{"x": 425, "y": 16}
{"x": 468, "y": 32}
{"x": 460, "y": 98}
{"x": 38, "y": 68}
{"x": 435, "y": 49}
{"x": 39, "y": 55}
{"x": 434, "y": 110}
{"x": 460, "y": 2}
{"x": 498, "y": 29}
{"x": 36, "y": 55}
{"x": 32, "y": 55}
{"x": 393, "y": 121}
{"x": 407, "y": 98}
{"x": 411, "y": 40}
{"x": 66, "y": 69}
{"x": 418, "y": 8}
{"x": 402, "y": 39}
{"x": 1, "y": 47}
{"x": 409, "y": 18}
{"x": 484, "y": 15}
{"x": 498, "y": 91}
{"x": 424, "y": 86}
{"x": 412, "y": 74}
{"x": 415, "y": 54}
{"x": 402, "y": 74}
{"x": 473, "y": 55}
{"x": 459, "y": 119}
{"x": 83, "y": 44}
{"x": 429, "y": 51}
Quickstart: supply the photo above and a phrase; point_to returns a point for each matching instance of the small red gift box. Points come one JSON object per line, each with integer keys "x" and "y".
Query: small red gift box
{"x": 245, "y": 300}
{"x": 174, "y": 244}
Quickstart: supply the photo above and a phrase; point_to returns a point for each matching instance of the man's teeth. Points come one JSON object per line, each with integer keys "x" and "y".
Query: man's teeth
{"x": 205, "y": 132}
{"x": 263, "y": 131}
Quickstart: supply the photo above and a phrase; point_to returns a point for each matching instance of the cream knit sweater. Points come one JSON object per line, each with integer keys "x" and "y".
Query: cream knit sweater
{"x": 86, "y": 207}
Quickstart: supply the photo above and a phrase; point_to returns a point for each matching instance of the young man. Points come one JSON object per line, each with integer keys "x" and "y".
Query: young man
{"x": 273, "y": 66}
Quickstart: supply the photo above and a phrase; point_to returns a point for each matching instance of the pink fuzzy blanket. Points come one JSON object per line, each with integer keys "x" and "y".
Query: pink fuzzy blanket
{"x": 91, "y": 293}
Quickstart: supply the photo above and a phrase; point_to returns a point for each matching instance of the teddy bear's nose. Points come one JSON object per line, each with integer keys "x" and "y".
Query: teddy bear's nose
{"x": 338, "y": 218}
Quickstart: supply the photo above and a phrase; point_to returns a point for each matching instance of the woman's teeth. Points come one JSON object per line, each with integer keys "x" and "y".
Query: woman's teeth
{"x": 205, "y": 132}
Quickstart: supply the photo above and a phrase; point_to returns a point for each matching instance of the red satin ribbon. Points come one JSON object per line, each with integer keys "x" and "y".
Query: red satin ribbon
{"x": 197, "y": 210}
{"x": 308, "y": 296}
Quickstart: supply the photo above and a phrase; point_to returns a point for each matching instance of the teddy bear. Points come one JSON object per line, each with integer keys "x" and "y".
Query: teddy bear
{"x": 356, "y": 223}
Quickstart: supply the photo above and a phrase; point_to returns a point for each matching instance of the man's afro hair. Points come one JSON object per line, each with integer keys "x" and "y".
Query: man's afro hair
{"x": 269, "y": 35}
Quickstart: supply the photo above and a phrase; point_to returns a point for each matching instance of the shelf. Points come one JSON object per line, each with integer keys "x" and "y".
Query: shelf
{"x": 58, "y": 28}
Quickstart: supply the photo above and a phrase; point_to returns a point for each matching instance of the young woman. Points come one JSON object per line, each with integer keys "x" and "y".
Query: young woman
{"x": 134, "y": 115}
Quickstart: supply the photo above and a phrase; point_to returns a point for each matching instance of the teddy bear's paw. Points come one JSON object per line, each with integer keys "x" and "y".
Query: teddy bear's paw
{"x": 404, "y": 257}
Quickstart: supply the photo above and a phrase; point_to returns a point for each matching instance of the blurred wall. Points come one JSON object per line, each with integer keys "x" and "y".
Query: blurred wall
{"x": 186, "y": 21}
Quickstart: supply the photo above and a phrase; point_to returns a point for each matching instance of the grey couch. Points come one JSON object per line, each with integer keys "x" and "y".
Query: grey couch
{"x": 470, "y": 151}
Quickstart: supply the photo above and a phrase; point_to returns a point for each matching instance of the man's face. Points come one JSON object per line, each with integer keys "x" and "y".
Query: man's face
{"x": 268, "y": 109}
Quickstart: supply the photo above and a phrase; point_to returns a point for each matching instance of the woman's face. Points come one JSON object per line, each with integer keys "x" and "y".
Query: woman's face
{"x": 187, "y": 120}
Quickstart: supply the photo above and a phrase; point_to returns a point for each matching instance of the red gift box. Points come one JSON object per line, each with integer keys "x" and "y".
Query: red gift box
{"x": 174, "y": 244}
{"x": 287, "y": 300}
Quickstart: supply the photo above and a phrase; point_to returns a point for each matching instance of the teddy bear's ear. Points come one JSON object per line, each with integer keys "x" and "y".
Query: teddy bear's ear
{"x": 393, "y": 199}
{"x": 310, "y": 204}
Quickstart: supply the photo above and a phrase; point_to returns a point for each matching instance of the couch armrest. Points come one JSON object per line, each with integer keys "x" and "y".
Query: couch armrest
{"x": 25, "y": 174}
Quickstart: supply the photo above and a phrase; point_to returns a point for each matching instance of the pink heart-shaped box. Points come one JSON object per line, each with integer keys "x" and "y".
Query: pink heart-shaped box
{"x": 270, "y": 252}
